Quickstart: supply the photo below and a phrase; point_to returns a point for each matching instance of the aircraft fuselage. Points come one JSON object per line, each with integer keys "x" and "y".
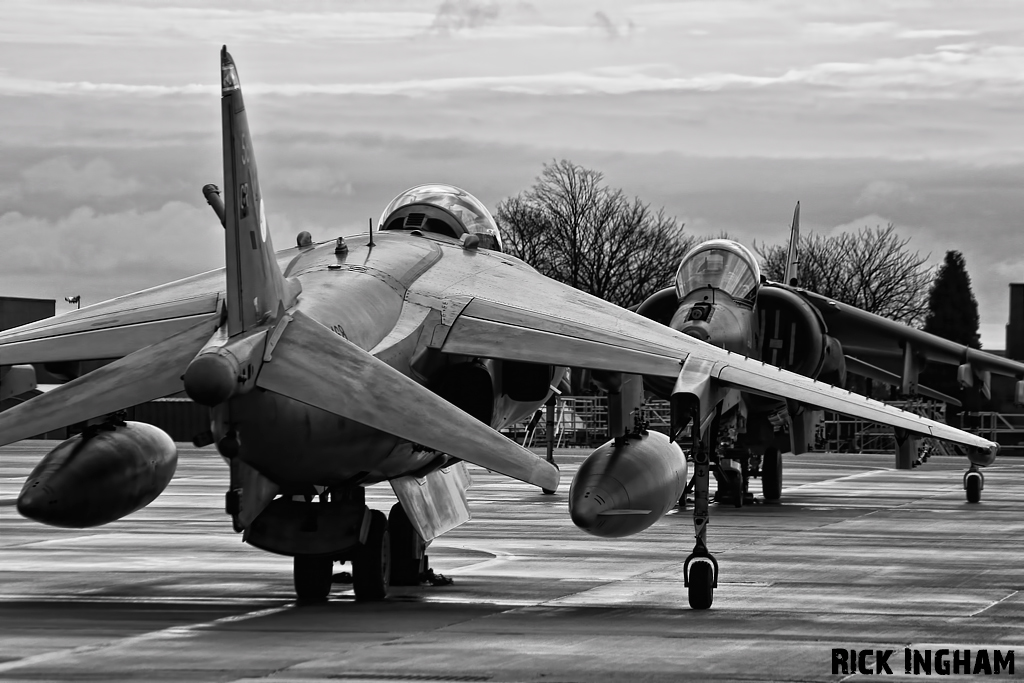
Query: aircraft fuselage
{"x": 375, "y": 297}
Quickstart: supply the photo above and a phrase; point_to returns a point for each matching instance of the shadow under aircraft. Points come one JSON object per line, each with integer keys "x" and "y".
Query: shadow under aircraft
{"x": 720, "y": 297}
{"x": 394, "y": 356}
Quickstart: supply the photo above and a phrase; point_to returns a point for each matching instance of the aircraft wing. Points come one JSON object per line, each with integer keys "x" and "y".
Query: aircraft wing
{"x": 542, "y": 321}
{"x": 117, "y": 327}
{"x": 121, "y": 326}
{"x": 881, "y": 341}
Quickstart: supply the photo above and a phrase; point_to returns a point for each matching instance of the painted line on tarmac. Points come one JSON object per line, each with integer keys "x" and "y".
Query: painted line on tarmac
{"x": 830, "y": 482}
{"x": 993, "y": 604}
{"x": 161, "y": 600}
{"x": 171, "y": 632}
{"x": 497, "y": 558}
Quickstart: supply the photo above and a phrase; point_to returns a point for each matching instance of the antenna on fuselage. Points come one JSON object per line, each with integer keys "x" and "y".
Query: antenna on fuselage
{"x": 792, "y": 257}
{"x": 370, "y": 243}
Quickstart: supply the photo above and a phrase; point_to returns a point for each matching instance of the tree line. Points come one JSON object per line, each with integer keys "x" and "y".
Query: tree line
{"x": 571, "y": 226}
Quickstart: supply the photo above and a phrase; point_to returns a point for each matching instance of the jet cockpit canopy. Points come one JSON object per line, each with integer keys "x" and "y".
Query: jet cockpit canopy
{"x": 444, "y": 210}
{"x": 723, "y": 265}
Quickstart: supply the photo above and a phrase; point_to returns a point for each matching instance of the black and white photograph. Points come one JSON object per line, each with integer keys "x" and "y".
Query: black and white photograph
{"x": 499, "y": 341}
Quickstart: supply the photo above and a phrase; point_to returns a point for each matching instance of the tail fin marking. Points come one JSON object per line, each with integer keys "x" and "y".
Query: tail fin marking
{"x": 255, "y": 286}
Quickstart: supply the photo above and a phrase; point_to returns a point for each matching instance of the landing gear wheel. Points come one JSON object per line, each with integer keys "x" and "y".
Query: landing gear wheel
{"x": 739, "y": 494}
{"x": 771, "y": 474}
{"x": 701, "y": 591}
{"x": 974, "y": 482}
{"x": 371, "y": 566}
{"x": 408, "y": 559}
{"x": 730, "y": 489}
{"x": 312, "y": 577}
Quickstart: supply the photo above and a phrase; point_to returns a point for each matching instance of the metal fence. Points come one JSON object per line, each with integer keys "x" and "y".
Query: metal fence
{"x": 582, "y": 421}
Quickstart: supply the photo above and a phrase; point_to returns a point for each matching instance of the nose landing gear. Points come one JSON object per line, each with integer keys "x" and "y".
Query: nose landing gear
{"x": 974, "y": 482}
{"x": 700, "y": 571}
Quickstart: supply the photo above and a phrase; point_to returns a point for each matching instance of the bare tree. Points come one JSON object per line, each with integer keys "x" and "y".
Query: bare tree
{"x": 873, "y": 270}
{"x": 573, "y": 228}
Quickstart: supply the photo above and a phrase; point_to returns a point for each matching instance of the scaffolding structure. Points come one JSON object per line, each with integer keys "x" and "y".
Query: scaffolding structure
{"x": 839, "y": 433}
{"x": 582, "y": 422}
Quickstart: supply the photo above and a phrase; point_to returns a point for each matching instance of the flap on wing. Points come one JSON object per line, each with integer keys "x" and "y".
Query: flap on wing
{"x": 82, "y": 335}
{"x": 152, "y": 372}
{"x": 313, "y": 365}
{"x": 494, "y": 331}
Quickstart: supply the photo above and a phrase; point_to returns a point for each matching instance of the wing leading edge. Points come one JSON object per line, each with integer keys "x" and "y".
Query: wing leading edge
{"x": 494, "y": 329}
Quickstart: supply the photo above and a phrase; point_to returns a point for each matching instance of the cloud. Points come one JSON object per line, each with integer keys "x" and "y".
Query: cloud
{"x": 871, "y": 30}
{"x": 884, "y": 192}
{"x": 317, "y": 180}
{"x": 459, "y": 15}
{"x": 101, "y": 255}
{"x": 111, "y": 25}
{"x": 29, "y": 86}
{"x": 829, "y": 31}
{"x": 933, "y": 33}
{"x": 940, "y": 74}
{"x": 610, "y": 30}
{"x": 66, "y": 22}
{"x": 95, "y": 178}
{"x": 1010, "y": 268}
{"x": 870, "y": 221}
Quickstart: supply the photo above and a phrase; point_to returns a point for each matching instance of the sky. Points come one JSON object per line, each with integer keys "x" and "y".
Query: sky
{"x": 724, "y": 112}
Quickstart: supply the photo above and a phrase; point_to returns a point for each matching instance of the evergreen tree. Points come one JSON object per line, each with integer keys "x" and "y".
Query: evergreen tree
{"x": 952, "y": 308}
{"x": 953, "y": 315}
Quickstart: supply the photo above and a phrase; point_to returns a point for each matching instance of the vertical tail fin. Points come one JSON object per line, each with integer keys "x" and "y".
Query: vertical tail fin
{"x": 793, "y": 257}
{"x": 255, "y": 288}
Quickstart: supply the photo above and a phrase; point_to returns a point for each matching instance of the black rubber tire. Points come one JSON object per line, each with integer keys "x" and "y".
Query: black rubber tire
{"x": 406, "y": 568}
{"x": 771, "y": 474}
{"x": 701, "y": 591}
{"x": 731, "y": 489}
{"x": 312, "y": 577}
{"x": 371, "y": 565}
{"x": 973, "y": 489}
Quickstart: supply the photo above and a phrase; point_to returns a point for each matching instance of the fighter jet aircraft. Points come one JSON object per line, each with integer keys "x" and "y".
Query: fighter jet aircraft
{"x": 720, "y": 297}
{"x": 388, "y": 356}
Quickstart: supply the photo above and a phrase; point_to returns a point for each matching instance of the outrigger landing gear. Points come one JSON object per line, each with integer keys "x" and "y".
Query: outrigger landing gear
{"x": 371, "y": 564}
{"x": 771, "y": 474}
{"x": 312, "y": 577}
{"x": 700, "y": 571}
{"x": 409, "y": 562}
{"x": 550, "y": 428}
{"x": 974, "y": 482}
{"x": 733, "y": 475}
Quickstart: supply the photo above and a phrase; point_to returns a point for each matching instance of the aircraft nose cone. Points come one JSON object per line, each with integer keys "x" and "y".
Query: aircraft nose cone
{"x": 586, "y": 504}
{"x": 36, "y": 501}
